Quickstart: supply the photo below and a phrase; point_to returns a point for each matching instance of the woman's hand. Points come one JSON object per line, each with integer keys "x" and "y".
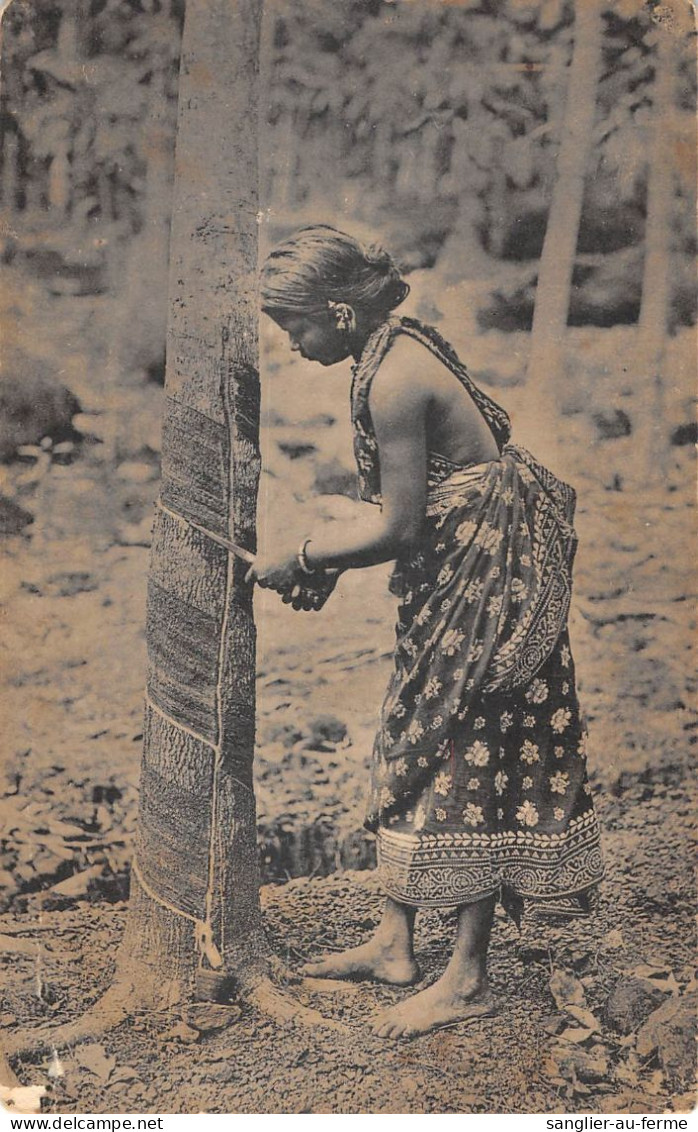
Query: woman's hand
{"x": 312, "y": 593}
{"x": 282, "y": 573}
{"x": 274, "y": 572}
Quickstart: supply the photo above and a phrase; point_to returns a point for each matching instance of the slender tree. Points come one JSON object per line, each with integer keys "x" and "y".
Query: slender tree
{"x": 656, "y": 282}
{"x": 194, "y": 926}
{"x": 139, "y": 333}
{"x": 7, "y": 1077}
{"x": 559, "y": 247}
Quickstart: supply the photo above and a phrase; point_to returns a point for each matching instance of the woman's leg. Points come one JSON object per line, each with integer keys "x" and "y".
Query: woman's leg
{"x": 388, "y": 957}
{"x": 461, "y": 993}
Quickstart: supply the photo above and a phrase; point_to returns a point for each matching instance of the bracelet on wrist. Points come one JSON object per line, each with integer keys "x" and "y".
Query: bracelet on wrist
{"x": 302, "y": 559}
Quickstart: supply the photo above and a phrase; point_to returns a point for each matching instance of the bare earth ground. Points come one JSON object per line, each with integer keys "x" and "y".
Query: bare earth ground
{"x": 72, "y": 677}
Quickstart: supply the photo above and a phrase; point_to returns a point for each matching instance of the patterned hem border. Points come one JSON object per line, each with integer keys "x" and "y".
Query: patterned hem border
{"x": 447, "y": 870}
{"x": 414, "y": 902}
{"x": 540, "y": 904}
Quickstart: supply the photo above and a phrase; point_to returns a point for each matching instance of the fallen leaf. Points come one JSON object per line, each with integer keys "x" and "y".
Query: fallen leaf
{"x": 566, "y": 990}
{"x": 584, "y": 1016}
{"x": 626, "y": 1076}
{"x": 66, "y": 829}
{"x": 58, "y": 848}
{"x": 577, "y": 1035}
{"x": 124, "y": 1073}
{"x": 671, "y": 1031}
{"x": 684, "y": 1102}
{"x": 662, "y": 977}
{"x": 655, "y": 1083}
{"x": 78, "y": 884}
{"x": 648, "y": 971}
{"x": 96, "y": 1060}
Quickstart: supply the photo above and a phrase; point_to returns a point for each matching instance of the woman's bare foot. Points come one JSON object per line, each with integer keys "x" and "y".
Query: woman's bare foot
{"x": 374, "y": 961}
{"x": 439, "y": 1005}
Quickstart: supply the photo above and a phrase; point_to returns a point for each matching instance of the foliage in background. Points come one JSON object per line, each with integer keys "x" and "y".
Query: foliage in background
{"x": 436, "y": 124}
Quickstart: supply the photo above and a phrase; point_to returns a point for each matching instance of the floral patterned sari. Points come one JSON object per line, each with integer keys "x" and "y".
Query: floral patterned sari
{"x": 479, "y": 777}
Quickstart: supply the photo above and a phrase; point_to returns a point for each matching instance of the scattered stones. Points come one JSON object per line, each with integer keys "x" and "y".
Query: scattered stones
{"x": 611, "y": 423}
{"x": 327, "y": 729}
{"x": 671, "y": 1032}
{"x": 66, "y": 583}
{"x": 296, "y": 449}
{"x": 630, "y": 1003}
{"x": 685, "y": 434}
{"x": 207, "y": 1017}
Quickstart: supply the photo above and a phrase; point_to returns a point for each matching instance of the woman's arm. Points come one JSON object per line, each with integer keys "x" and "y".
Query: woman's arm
{"x": 398, "y": 409}
{"x": 399, "y": 402}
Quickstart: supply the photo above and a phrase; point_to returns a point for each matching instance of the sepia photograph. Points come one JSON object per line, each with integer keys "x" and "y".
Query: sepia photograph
{"x": 347, "y": 557}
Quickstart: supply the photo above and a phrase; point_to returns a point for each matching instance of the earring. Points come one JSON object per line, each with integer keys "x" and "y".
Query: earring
{"x": 346, "y": 319}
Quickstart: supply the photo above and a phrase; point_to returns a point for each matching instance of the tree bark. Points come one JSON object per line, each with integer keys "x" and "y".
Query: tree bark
{"x": 195, "y": 895}
{"x": 557, "y": 260}
{"x": 194, "y": 927}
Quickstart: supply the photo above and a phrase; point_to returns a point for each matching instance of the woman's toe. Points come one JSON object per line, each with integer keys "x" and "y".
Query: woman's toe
{"x": 383, "y": 1027}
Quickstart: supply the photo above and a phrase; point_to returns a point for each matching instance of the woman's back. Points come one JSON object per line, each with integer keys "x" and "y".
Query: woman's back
{"x": 455, "y": 427}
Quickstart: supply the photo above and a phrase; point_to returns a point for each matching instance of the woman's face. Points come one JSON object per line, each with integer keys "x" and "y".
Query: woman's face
{"x": 315, "y": 337}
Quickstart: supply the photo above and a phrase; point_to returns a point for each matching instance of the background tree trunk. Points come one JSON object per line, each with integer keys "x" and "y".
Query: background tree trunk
{"x": 10, "y": 175}
{"x": 652, "y": 329}
{"x": 140, "y": 330}
{"x": 560, "y": 244}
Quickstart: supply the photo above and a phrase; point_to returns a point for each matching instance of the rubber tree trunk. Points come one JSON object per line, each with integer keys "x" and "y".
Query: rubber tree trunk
{"x": 545, "y": 367}
{"x": 195, "y": 884}
{"x": 656, "y": 286}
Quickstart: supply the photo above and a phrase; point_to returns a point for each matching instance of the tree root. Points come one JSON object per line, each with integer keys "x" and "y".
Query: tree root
{"x": 284, "y": 1008}
{"x": 119, "y": 1003}
{"x": 124, "y": 1000}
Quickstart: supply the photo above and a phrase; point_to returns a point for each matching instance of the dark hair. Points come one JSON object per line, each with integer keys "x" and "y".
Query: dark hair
{"x": 319, "y": 264}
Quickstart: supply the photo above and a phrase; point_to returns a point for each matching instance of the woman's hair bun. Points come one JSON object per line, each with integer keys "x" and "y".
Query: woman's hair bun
{"x": 381, "y": 259}
{"x": 392, "y": 289}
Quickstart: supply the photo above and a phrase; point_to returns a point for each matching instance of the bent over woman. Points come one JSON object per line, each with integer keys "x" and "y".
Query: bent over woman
{"x": 479, "y": 789}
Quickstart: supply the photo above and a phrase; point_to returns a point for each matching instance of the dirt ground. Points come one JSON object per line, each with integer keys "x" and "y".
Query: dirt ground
{"x": 594, "y": 1016}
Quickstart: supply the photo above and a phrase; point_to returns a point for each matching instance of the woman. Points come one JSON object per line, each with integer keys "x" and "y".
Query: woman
{"x": 479, "y": 786}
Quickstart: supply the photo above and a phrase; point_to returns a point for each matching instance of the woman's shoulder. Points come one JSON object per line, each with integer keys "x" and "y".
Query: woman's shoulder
{"x": 415, "y": 358}
{"x": 403, "y": 377}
